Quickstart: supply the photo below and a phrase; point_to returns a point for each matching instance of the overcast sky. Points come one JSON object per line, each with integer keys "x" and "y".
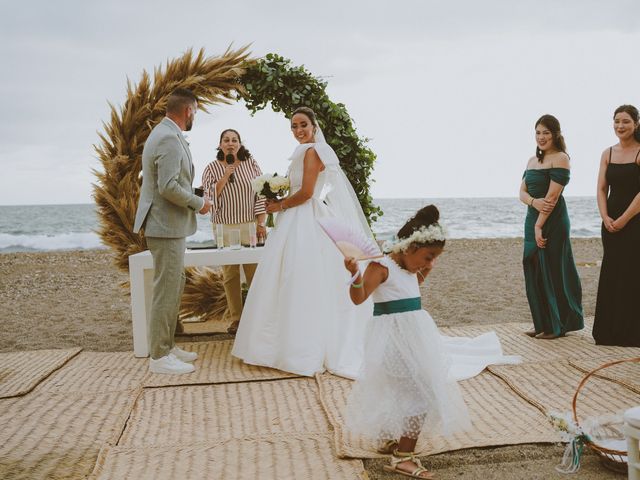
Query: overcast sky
{"x": 447, "y": 91}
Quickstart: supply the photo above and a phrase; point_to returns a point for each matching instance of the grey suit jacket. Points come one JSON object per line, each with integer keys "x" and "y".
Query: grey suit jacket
{"x": 167, "y": 204}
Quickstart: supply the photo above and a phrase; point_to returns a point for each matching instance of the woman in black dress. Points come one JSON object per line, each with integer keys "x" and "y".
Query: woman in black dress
{"x": 617, "y": 319}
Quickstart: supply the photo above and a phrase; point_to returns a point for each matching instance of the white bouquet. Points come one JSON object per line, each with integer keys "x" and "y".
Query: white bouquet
{"x": 576, "y": 437}
{"x": 271, "y": 186}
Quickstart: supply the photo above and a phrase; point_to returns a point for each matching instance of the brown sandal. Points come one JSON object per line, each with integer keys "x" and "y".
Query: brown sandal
{"x": 400, "y": 457}
{"x": 531, "y": 333}
{"x": 386, "y": 447}
{"x": 233, "y": 328}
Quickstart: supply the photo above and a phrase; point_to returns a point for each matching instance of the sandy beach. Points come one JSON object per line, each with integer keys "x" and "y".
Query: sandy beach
{"x": 66, "y": 299}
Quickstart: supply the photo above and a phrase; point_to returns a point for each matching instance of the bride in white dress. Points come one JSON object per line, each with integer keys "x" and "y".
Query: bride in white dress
{"x": 298, "y": 316}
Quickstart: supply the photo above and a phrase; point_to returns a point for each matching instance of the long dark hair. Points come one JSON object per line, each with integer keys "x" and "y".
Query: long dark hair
{"x": 424, "y": 217}
{"x": 553, "y": 125}
{"x": 633, "y": 113}
{"x": 243, "y": 153}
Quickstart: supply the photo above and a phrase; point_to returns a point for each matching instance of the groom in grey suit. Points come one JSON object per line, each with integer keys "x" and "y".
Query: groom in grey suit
{"x": 166, "y": 212}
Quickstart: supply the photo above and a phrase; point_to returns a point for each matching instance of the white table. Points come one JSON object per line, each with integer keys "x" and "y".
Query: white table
{"x": 141, "y": 283}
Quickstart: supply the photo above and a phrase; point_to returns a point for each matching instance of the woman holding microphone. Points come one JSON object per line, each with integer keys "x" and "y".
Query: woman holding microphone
{"x": 236, "y": 206}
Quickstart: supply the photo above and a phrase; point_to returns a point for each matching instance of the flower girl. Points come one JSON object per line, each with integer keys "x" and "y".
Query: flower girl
{"x": 404, "y": 386}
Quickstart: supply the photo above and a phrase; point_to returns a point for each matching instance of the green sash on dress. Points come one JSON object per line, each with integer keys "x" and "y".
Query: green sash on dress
{"x": 397, "y": 306}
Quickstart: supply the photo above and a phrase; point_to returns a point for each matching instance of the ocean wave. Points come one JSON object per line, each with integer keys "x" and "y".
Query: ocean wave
{"x": 585, "y": 232}
{"x": 61, "y": 241}
{"x": 201, "y": 237}
{"x": 48, "y": 227}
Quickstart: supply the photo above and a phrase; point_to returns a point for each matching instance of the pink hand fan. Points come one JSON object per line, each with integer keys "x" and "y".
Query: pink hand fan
{"x": 352, "y": 242}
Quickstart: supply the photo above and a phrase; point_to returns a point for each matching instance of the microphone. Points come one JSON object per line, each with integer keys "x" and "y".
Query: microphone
{"x": 230, "y": 159}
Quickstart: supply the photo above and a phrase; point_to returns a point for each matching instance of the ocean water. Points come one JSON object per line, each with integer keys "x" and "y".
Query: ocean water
{"x": 72, "y": 227}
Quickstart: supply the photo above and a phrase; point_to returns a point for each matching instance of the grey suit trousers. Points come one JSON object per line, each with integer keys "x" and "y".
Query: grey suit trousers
{"x": 168, "y": 285}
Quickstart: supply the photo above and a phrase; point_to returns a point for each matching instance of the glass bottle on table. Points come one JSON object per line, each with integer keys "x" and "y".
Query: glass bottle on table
{"x": 253, "y": 235}
{"x": 219, "y": 227}
{"x": 234, "y": 239}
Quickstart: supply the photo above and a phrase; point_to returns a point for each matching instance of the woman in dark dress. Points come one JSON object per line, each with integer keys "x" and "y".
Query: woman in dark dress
{"x": 617, "y": 319}
{"x": 551, "y": 278}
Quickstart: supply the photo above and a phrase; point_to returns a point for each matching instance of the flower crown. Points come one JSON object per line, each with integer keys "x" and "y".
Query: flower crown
{"x": 433, "y": 233}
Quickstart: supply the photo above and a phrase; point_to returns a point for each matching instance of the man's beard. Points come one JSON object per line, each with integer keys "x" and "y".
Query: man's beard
{"x": 189, "y": 123}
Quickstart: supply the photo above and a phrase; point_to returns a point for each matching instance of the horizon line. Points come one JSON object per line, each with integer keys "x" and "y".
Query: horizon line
{"x": 374, "y": 198}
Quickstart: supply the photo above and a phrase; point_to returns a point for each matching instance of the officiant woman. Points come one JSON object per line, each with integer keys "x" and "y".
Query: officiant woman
{"x": 227, "y": 181}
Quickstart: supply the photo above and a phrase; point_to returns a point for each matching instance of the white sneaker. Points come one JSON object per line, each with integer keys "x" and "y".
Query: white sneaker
{"x": 170, "y": 364}
{"x": 183, "y": 355}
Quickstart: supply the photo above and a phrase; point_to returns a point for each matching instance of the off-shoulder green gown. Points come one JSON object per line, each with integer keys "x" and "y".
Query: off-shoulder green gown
{"x": 551, "y": 278}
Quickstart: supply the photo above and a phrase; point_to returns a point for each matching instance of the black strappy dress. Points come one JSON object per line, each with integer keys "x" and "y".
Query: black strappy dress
{"x": 617, "y": 318}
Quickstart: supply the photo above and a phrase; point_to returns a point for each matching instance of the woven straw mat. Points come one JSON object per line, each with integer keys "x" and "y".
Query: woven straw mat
{"x": 20, "y": 372}
{"x": 97, "y": 372}
{"x": 211, "y": 413}
{"x": 626, "y": 374}
{"x": 58, "y": 435}
{"x": 514, "y": 342}
{"x": 498, "y": 415}
{"x": 284, "y": 458}
{"x": 551, "y": 385}
{"x": 216, "y": 365}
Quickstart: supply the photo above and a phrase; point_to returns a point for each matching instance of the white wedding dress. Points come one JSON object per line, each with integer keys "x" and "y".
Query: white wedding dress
{"x": 298, "y": 316}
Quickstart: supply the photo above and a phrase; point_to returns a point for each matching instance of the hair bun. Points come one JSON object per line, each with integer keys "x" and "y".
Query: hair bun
{"x": 423, "y": 218}
{"x": 428, "y": 215}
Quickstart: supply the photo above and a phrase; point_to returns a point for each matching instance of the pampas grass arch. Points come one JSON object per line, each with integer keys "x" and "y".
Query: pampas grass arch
{"x": 229, "y": 77}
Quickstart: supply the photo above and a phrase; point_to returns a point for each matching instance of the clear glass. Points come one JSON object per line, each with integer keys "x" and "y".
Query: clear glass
{"x": 253, "y": 235}
{"x": 234, "y": 239}
{"x": 209, "y": 195}
{"x": 219, "y": 235}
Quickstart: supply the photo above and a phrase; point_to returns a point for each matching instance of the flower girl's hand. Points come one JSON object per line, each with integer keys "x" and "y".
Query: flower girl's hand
{"x": 351, "y": 265}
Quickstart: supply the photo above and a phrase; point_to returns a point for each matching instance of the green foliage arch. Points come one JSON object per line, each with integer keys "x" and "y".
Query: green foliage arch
{"x": 274, "y": 80}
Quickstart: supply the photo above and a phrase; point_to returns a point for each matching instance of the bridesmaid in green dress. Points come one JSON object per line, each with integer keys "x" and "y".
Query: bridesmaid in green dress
{"x": 551, "y": 278}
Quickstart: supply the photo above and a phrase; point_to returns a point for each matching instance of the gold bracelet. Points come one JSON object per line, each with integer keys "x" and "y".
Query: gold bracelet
{"x": 531, "y": 202}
